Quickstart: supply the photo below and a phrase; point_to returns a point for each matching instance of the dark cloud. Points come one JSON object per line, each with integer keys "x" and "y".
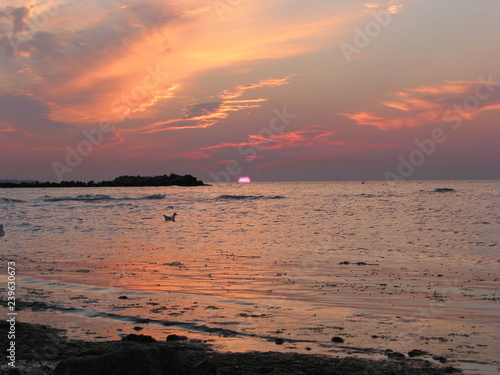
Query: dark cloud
{"x": 12, "y": 22}
{"x": 153, "y": 15}
{"x": 17, "y": 15}
{"x": 29, "y": 115}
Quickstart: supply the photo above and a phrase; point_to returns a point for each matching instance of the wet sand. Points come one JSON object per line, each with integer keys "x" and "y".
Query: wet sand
{"x": 434, "y": 308}
{"x": 42, "y": 350}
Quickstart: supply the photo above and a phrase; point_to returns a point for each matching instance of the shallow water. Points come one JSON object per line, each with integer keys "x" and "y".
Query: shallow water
{"x": 246, "y": 263}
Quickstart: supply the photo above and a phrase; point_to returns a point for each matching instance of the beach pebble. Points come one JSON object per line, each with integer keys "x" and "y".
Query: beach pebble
{"x": 337, "y": 340}
{"x": 176, "y": 338}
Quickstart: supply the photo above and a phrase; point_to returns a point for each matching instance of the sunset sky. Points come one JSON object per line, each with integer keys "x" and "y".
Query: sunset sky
{"x": 273, "y": 90}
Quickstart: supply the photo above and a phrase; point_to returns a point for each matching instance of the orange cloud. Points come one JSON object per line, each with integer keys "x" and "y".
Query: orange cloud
{"x": 239, "y": 90}
{"x": 313, "y": 143}
{"x": 207, "y": 117}
{"x": 302, "y": 138}
{"x": 6, "y": 127}
{"x": 392, "y": 7}
{"x": 430, "y": 104}
{"x": 204, "y": 115}
{"x": 384, "y": 123}
{"x": 93, "y": 65}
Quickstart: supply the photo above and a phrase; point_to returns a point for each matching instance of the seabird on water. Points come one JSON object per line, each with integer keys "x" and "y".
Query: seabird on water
{"x": 170, "y": 218}
{"x": 2, "y": 232}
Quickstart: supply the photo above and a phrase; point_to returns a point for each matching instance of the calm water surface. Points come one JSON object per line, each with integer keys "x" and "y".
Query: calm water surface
{"x": 384, "y": 266}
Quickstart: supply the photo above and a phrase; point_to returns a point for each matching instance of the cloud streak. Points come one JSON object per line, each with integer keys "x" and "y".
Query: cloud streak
{"x": 240, "y": 90}
{"x": 204, "y": 115}
{"x": 314, "y": 143}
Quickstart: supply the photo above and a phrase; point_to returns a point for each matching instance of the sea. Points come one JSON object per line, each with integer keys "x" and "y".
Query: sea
{"x": 280, "y": 266}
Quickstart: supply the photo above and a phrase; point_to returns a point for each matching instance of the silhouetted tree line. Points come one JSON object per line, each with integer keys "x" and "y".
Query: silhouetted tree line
{"x": 165, "y": 180}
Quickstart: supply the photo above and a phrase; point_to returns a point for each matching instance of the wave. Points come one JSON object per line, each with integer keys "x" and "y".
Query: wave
{"x": 100, "y": 197}
{"x": 152, "y": 196}
{"x": 85, "y": 197}
{"x": 247, "y": 197}
{"x": 11, "y": 200}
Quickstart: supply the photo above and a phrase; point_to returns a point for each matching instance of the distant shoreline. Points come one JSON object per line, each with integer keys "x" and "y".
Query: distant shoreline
{"x": 122, "y": 181}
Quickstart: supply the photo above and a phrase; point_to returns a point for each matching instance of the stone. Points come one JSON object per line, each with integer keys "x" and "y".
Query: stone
{"x": 417, "y": 353}
{"x": 444, "y": 190}
{"x": 138, "y": 338}
{"x": 176, "y": 338}
{"x": 395, "y": 355}
{"x": 440, "y": 359}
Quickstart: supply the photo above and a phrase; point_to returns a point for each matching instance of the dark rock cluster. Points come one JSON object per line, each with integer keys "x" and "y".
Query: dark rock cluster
{"x": 122, "y": 181}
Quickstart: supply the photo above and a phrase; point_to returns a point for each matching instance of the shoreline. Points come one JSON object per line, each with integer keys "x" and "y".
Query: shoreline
{"x": 44, "y": 350}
